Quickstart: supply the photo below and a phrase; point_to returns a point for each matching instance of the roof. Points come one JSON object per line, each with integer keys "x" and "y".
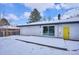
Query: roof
{"x": 51, "y": 22}
{"x": 8, "y": 27}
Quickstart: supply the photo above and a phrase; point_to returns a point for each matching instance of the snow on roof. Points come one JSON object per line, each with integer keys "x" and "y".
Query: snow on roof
{"x": 9, "y": 27}
{"x": 53, "y": 22}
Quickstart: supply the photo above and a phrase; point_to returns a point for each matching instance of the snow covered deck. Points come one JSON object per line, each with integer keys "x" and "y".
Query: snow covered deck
{"x": 9, "y": 45}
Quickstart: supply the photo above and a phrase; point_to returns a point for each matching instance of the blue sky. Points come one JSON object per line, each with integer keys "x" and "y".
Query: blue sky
{"x": 18, "y": 13}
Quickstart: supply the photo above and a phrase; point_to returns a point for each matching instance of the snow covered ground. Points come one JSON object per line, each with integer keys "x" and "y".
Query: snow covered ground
{"x": 8, "y": 45}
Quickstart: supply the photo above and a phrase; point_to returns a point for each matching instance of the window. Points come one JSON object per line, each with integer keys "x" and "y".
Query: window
{"x": 45, "y": 30}
{"x": 49, "y": 30}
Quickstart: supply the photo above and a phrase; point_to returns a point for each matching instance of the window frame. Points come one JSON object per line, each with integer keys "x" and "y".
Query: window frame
{"x": 48, "y": 32}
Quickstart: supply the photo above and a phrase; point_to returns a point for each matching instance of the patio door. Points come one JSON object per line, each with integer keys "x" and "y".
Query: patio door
{"x": 66, "y": 33}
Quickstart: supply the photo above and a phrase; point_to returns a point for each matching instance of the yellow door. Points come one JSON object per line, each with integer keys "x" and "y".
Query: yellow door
{"x": 66, "y": 32}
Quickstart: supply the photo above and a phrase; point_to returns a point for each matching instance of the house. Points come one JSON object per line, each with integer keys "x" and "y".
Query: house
{"x": 64, "y": 28}
{"x": 6, "y": 29}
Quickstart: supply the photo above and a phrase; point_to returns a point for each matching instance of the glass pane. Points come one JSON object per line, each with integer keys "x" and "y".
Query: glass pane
{"x": 45, "y": 30}
{"x": 51, "y": 30}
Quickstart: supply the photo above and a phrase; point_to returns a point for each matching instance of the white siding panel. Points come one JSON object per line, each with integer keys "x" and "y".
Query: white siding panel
{"x": 74, "y": 31}
{"x": 31, "y": 30}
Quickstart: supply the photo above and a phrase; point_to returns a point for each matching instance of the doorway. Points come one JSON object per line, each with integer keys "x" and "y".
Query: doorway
{"x": 66, "y": 33}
